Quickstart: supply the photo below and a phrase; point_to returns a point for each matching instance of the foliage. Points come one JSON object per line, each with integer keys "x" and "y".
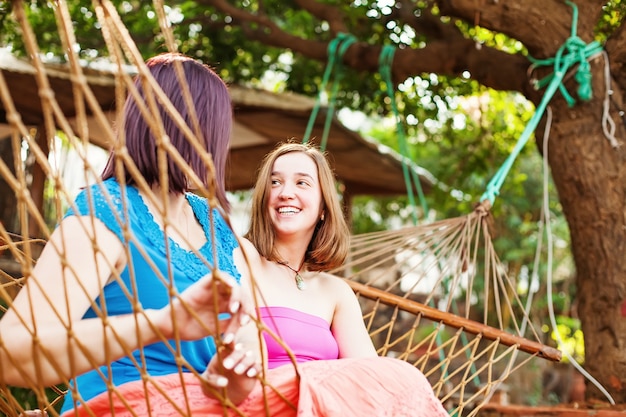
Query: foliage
{"x": 209, "y": 35}
{"x": 613, "y": 13}
{"x": 27, "y": 399}
{"x": 463, "y": 149}
{"x": 569, "y": 338}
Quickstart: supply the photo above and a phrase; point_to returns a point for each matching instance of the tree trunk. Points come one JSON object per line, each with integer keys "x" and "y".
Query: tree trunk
{"x": 589, "y": 175}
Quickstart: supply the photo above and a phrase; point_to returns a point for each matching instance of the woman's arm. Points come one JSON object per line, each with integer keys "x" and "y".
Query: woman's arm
{"x": 45, "y": 341}
{"x": 347, "y": 326}
{"x": 36, "y": 329}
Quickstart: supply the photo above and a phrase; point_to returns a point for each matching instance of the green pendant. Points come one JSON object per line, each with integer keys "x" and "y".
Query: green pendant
{"x": 300, "y": 282}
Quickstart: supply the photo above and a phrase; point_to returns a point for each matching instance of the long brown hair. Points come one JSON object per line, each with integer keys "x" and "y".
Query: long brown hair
{"x": 329, "y": 245}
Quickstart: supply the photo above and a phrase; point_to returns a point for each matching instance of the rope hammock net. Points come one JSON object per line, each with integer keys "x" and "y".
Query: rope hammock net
{"x": 434, "y": 295}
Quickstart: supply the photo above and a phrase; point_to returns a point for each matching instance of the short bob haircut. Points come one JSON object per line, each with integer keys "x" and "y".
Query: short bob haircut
{"x": 214, "y": 113}
{"x": 329, "y": 245}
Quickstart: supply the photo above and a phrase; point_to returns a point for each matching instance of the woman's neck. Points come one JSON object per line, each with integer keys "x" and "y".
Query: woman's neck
{"x": 291, "y": 253}
{"x": 174, "y": 203}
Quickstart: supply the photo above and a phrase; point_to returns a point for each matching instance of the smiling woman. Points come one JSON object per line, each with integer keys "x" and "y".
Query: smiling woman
{"x": 314, "y": 317}
{"x": 295, "y": 199}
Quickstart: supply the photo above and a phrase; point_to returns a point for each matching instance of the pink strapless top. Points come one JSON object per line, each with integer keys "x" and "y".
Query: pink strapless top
{"x": 308, "y": 337}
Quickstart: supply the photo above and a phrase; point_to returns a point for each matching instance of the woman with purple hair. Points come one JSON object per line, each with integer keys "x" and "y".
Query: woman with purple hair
{"x": 141, "y": 277}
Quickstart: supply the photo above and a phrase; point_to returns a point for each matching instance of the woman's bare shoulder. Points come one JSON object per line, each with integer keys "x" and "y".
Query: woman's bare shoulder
{"x": 248, "y": 249}
{"x": 334, "y": 282}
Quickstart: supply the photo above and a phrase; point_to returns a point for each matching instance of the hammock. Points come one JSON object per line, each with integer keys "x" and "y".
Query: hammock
{"x": 420, "y": 287}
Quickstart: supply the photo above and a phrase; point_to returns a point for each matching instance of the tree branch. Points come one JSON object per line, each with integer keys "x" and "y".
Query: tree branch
{"x": 451, "y": 55}
{"x": 423, "y": 21}
{"x": 325, "y": 12}
{"x": 262, "y": 29}
{"x": 452, "y": 58}
{"x": 541, "y": 25}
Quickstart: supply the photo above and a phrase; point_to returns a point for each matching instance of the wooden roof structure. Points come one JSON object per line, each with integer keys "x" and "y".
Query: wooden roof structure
{"x": 262, "y": 119}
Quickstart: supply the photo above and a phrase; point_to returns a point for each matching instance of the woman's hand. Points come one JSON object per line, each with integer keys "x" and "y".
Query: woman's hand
{"x": 234, "y": 369}
{"x": 214, "y": 305}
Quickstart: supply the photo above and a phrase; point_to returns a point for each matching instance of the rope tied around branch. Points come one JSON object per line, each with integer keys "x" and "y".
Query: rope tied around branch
{"x": 574, "y": 51}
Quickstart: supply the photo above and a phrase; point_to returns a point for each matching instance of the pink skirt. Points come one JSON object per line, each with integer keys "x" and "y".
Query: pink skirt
{"x": 336, "y": 388}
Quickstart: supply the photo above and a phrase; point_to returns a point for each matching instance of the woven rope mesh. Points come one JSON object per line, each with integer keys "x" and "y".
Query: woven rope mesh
{"x": 434, "y": 295}
{"x": 437, "y": 296}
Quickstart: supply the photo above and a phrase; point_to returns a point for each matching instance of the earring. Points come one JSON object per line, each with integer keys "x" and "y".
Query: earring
{"x": 322, "y": 217}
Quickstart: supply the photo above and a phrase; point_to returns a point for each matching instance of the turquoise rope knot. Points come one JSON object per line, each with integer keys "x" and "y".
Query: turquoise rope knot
{"x": 573, "y": 51}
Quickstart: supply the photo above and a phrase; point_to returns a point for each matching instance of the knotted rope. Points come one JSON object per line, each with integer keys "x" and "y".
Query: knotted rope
{"x": 573, "y": 52}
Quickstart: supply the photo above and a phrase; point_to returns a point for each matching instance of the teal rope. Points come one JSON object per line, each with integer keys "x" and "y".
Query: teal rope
{"x": 336, "y": 49}
{"x": 573, "y": 51}
{"x": 347, "y": 42}
{"x": 384, "y": 62}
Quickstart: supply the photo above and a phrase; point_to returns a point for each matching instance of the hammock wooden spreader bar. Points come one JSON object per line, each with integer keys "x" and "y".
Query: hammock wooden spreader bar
{"x": 470, "y": 326}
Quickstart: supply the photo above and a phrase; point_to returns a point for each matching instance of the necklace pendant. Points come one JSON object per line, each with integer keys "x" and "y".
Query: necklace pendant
{"x": 300, "y": 282}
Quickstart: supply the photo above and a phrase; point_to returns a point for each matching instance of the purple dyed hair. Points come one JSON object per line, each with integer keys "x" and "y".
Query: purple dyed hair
{"x": 213, "y": 109}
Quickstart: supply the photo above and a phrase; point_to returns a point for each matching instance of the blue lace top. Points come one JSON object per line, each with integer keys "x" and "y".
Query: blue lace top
{"x": 149, "y": 266}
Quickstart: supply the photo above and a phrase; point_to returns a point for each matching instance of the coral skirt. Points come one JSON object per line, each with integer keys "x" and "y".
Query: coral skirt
{"x": 360, "y": 387}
